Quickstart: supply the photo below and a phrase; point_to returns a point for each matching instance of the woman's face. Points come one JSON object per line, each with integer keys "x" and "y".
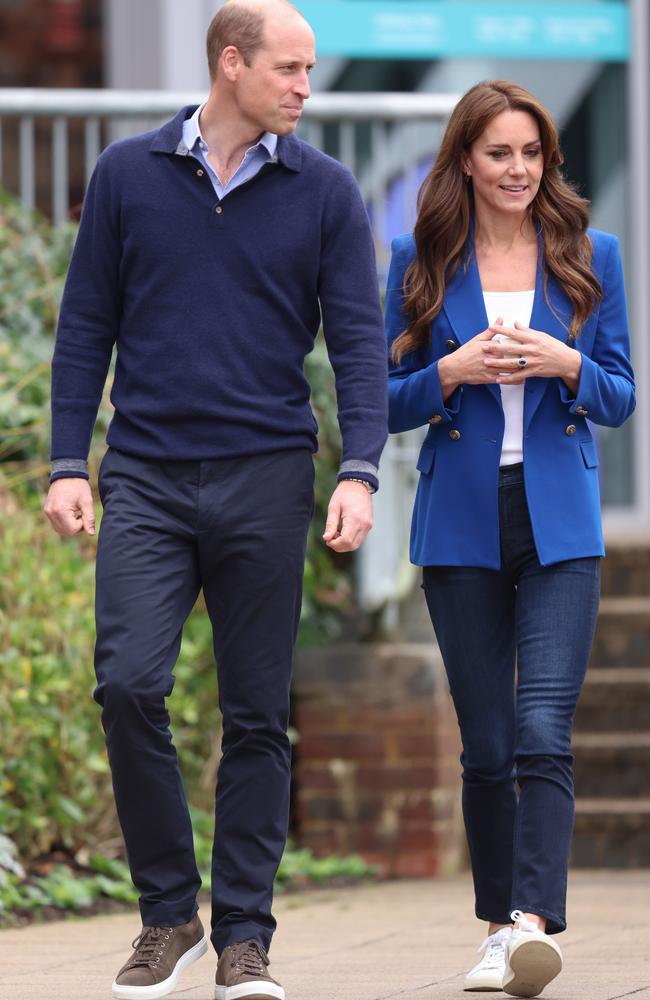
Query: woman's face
{"x": 506, "y": 163}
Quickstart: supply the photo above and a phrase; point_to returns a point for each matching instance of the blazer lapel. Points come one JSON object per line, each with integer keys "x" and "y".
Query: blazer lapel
{"x": 548, "y": 320}
{"x": 465, "y": 308}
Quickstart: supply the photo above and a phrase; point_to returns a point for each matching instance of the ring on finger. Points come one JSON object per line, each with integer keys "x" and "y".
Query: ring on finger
{"x": 522, "y": 361}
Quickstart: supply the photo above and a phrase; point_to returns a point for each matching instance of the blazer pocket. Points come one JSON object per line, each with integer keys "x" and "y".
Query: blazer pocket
{"x": 425, "y": 459}
{"x": 588, "y": 449}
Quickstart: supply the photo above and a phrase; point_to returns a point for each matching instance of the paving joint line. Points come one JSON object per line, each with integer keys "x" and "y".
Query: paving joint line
{"x": 336, "y": 951}
{"x": 619, "y": 996}
{"x": 427, "y": 986}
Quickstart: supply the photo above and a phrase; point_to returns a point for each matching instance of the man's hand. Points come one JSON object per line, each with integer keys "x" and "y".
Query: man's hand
{"x": 349, "y": 516}
{"x": 69, "y": 507}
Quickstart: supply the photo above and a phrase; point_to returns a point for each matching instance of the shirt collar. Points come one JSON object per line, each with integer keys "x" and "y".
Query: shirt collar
{"x": 192, "y": 134}
{"x": 169, "y": 139}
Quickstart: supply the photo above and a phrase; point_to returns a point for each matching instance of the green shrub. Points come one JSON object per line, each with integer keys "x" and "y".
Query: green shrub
{"x": 33, "y": 262}
{"x": 76, "y": 891}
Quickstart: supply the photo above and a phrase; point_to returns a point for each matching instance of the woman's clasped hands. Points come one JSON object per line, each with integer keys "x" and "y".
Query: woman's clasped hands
{"x": 484, "y": 359}
{"x": 528, "y": 352}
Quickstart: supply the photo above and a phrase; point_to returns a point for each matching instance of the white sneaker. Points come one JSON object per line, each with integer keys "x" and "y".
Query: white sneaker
{"x": 488, "y": 974}
{"x": 532, "y": 959}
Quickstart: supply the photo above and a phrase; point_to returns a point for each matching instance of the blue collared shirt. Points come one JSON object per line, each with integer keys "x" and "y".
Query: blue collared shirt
{"x": 262, "y": 152}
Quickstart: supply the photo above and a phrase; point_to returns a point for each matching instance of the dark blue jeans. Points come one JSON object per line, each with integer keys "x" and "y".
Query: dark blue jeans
{"x": 541, "y": 620}
{"x": 236, "y": 528}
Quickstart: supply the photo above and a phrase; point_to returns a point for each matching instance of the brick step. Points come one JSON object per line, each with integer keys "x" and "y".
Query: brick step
{"x": 626, "y": 570}
{"x": 616, "y": 696}
{"x": 611, "y": 833}
{"x": 622, "y": 633}
{"x": 612, "y": 765}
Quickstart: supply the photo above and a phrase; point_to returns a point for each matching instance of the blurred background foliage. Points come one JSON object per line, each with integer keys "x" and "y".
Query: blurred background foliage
{"x": 55, "y": 793}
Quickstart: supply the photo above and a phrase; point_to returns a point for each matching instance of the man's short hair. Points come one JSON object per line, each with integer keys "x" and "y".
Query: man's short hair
{"x": 238, "y": 25}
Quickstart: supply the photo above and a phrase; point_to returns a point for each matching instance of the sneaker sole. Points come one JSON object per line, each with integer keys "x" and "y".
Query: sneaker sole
{"x": 531, "y": 966}
{"x": 488, "y": 981}
{"x": 249, "y": 991}
{"x": 167, "y": 985}
{"x": 483, "y": 989}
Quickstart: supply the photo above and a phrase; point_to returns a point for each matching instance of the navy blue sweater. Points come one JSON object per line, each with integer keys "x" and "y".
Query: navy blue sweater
{"x": 213, "y": 307}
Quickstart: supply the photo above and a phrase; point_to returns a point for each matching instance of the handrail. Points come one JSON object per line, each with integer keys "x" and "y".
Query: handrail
{"x": 64, "y": 102}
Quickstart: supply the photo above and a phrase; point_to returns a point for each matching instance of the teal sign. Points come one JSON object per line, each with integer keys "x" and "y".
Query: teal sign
{"x": 432, "y": 29}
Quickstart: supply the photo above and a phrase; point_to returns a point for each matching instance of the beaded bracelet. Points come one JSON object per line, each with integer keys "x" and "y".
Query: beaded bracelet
{"x": 351, "y": 479}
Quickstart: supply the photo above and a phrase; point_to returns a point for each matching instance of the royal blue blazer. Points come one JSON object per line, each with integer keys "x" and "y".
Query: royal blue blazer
{"x": 456, "y": 513}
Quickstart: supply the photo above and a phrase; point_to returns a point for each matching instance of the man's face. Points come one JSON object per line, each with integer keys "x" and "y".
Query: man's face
{"x": 271, "y": 91}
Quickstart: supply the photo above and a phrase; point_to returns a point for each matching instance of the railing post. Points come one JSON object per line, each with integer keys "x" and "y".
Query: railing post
{"x": 60, "y": 196}
{"x": 26, "y": 160}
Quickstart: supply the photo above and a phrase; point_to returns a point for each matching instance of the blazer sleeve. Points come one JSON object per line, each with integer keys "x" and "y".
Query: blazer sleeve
{"x": 414, "y": 392}
{"x": 606, "y": 392}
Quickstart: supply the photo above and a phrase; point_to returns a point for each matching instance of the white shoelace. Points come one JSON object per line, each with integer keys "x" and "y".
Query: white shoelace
{"x": 523, "y": 924}
{"x": 494, "y": 948}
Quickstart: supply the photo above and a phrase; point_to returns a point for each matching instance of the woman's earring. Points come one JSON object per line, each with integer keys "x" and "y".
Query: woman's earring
{"x": 467, "y": 177}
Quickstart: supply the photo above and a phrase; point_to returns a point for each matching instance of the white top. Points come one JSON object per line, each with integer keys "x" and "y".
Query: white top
{"x": 511, "y": 307}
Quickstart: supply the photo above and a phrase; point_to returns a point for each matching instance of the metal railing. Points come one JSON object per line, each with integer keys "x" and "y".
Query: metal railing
{"x": 50, "y": 141}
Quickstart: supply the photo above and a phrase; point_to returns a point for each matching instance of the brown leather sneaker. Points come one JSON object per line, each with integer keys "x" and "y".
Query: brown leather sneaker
{"x": 160, "y": 955}
{"x": 242, "y": 975}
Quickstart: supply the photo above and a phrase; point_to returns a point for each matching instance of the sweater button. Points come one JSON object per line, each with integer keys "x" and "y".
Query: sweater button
{"x": 451, "y": 345}
{"x": 199, "y": 173}
{"x": 435, "y": 419}
{"x": 218, "y": 209}
{"x": 571, "y": 429}
{"x": 454, "y": 435}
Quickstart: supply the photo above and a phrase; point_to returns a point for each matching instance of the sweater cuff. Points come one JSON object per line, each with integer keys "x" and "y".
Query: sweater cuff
{"x": 356, "y": 469}
{"x": 68, "y": 468}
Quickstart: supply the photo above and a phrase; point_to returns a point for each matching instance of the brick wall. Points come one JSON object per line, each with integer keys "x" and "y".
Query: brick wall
{"x": 377, "y": 768}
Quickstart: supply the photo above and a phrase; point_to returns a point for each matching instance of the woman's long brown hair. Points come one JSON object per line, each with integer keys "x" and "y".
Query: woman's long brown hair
{"x": 445, "y": 206}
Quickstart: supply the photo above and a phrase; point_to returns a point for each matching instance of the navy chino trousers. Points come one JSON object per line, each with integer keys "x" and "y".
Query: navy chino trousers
{"x": 236, "y": 528}
{"x": 540, "y": 621}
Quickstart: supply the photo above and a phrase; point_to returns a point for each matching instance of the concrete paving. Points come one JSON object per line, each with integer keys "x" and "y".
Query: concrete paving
{"x": 411, "y": 940}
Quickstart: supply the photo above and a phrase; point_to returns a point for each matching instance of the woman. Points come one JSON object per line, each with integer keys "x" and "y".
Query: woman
{"x": 507, "y": 325}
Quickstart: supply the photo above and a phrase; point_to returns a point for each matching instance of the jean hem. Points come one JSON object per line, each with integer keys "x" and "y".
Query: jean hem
{"x": 555, "y": 923}
{"x": 483, "y": 915}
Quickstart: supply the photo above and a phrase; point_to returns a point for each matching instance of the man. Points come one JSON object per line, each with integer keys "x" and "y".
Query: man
{"x": 206, "y": 253}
